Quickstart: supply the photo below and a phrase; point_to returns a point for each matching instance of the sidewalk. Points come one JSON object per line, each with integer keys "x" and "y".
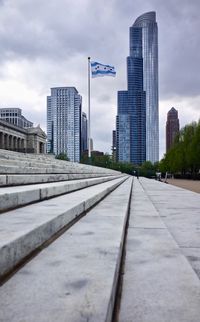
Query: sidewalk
{"x": 162, "y": 266}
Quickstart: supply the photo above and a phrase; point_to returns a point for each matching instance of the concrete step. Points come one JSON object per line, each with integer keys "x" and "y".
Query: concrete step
{"x": 13, "y": 197}
{"x": 49, "y": 164}
{"x": 25, "y": 229}
{"x": 24, "y": 179}
{"x": 10, "y": 169}
{"x": 74, "y": 279}
{"x": 49, "y": 170}
{"x": 33, "y": 161}
{"x": 9, "y": 153}
{"x": 159, "y": 285}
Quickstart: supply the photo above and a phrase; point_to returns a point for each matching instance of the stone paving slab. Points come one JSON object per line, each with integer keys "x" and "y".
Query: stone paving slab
{"x": 193, "y": 256}
{"x": 24, "y": 229}
{"x": 159, "y": 284}
{"x": 12, "y": 197}
{"x": 74, "y": 279}
{"x": 145, "y": 214}
{"x": 179, "y": 209}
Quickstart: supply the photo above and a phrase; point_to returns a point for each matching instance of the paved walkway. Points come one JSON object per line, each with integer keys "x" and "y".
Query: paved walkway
{"x": 162, "y": 267}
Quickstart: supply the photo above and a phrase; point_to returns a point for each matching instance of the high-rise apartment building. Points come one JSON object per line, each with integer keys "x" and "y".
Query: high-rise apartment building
{"x": 137, "y": 119}
{"x": 64, "y": 122}
{"x": 172, "y": 127}
{"x": 14, "y": 116}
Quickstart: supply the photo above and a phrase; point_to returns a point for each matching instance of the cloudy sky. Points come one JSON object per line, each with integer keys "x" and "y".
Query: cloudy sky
{"x": 45, "y": 43}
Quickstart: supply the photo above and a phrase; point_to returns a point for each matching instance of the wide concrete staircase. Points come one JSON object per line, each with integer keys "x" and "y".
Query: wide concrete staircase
{"x": 95, "y": 245}
{"x": 70, "y": 219}
{"x": 20, "y": 168}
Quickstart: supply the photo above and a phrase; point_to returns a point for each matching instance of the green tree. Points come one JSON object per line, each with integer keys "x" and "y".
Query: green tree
{"x": 62, "y": 156}
{"x": 148, "y": 169}
{"x": 184, "y": 156}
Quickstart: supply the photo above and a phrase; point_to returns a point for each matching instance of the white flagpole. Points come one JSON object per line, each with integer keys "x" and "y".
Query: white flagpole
{"x": 89, "y": 139}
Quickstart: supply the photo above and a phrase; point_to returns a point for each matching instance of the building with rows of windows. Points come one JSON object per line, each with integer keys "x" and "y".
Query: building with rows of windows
{"x": 64, "y": 111}
{"x": 13, "y": 115}
{"x": 19, "y": 139}
{"x": 137, "y": 115}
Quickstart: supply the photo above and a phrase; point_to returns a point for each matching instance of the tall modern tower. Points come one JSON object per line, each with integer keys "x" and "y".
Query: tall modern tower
{"x": 172, "y": 127}
{"x": 147, "y": 23}
{"x": 64, "y": 122}
{"x": 137, "y": 118}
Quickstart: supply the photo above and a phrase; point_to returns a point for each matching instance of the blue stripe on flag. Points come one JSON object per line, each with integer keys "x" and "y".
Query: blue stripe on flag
{"x": 100, "y": 70}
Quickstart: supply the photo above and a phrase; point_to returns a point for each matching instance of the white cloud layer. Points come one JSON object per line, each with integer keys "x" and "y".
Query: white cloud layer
{"x": 46, "y": 43}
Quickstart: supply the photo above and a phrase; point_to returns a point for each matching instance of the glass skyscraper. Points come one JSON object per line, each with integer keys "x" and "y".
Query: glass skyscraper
{"x": 147, "y": 22}
{"x": 64, "y": 122}
{"x": 137, "y": 119}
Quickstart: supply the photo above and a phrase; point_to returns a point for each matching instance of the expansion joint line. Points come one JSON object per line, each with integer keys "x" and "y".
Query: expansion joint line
{"x": 118, "y": 292}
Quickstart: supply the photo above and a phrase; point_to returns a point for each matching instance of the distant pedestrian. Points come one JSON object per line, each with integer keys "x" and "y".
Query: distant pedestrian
{"x": 158, "y": 176}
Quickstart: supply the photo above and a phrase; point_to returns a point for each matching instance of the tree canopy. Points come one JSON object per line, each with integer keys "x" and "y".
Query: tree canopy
{"x": 184, "y": 156}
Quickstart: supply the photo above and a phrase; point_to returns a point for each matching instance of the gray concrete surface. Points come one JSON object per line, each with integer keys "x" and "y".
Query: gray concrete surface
{"x": 74, "y": 279}
{"x": 159, "y": 283}
{"x": 12, "y": 197}
{"x": 24, "y": 179}
{"x": 2, "y": 180}
{"x": 180, "y": 211}
{"x": 24, "y": 229}
{"x": 15, "y": 162}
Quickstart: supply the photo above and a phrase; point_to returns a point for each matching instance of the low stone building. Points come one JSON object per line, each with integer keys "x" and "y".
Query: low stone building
{"x": 27, "y": 140}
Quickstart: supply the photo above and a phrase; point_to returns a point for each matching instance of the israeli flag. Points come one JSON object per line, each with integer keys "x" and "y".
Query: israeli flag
{"x": 100, "y": 70}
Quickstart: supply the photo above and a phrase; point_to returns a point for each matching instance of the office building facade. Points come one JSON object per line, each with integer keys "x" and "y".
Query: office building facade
{"x": 137, "y": 117}
{"x": 64, "y": 122}
{"x": 172, "y": 127}
{"x": 19, "y": 139}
